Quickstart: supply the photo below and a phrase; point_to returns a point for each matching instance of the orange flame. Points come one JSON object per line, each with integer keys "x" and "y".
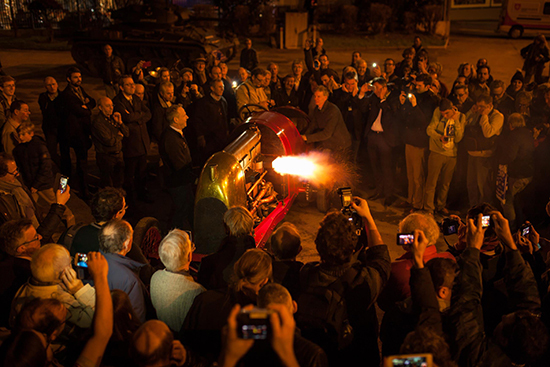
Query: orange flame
{"x": 316, "y": 167}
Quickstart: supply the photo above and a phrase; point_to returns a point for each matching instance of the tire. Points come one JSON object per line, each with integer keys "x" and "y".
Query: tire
{"x": 147, "y": 235}
{"x": 516, "y": 32}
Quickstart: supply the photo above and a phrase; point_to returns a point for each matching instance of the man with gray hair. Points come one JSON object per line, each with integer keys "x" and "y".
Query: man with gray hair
{"x": 53, "y": 276}
{"x": 173, "y": 289}
{"x": 178, "y": 164}
{"x": 115, "y": 241}
{"x": 398, "y": 288}
{"x": 107, "y": 134}
{"x": 160, "y": 102}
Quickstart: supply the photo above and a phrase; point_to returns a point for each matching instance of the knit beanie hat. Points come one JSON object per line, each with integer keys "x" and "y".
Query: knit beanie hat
{"x": 517, "y": 76}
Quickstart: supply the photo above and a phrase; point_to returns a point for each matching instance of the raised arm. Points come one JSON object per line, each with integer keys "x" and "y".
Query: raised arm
{"x": 103, "y": 319}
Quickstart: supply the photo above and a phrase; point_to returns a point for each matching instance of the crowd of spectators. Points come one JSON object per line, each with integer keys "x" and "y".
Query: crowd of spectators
{"x": 479, "y": 144}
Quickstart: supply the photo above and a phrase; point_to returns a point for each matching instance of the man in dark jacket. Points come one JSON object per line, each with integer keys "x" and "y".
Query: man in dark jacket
{"x": 516, "y": 150}
{"x": 77, "y": 112}
{"x": 50, "y": 104}
{"x": 176, "y": 157}
{"x": 160, "y": 102}
{"x": 210, "y": 123}
{"x": 521, "y": 337}
{"x": 115, "y": 241}
{"x": 107, "y": 134}
{"x": 249, "y": 58}
{"x": 362, "y": 274}
{"x": 346, "y": 98}
{"x": 135, "y": 146}
{"x": 36, "y": 168}
{"x": 327, "y": 127}
{"x": 483, "y": 126}
{"x": 381, "y": 133}
{"x": 112, "y": 68}
{"x": 417, "y": 110}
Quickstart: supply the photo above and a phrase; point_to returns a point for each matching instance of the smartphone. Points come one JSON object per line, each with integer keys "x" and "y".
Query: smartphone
{"x": 410, "y": 360}
{"x": 373, "y": 64}
{"x": 63, "y": 183}
{"x": 147, "y": 64}
{"x": 254, "y": 324}
{"x": 316, "y": 64}
{"x": 405, "y": 239}
{"x": 81, "y": 265}
{"x": 485, "y": 221}
{"x": 234, "y": 84}
{"x": 409, "y": 95}
{"x": 525, "y": 230}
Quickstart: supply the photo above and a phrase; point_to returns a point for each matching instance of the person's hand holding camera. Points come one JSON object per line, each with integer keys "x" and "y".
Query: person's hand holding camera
{"x": 282, "y": 339}
{"x": 418, "y": 248}
{"x": 502, "y": 229}
{"x": 533, "y": 236}
{"x": 523, "y": 244}
{"x": 361, "y": 207}
{"x": 61, "y": 198}
{"x": 70, "y": 281}
{"x": 234, "y": 348}
{"x": 475, "y": 232}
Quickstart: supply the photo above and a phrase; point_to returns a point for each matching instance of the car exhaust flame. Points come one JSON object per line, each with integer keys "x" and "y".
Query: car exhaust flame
{"x": 315, "y": 167}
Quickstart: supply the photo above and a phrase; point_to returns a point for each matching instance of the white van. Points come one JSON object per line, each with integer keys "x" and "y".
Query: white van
{"x": 529, "y": 17}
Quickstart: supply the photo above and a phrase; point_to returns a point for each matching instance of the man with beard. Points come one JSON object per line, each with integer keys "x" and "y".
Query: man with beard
{"x": 77, "y": 112}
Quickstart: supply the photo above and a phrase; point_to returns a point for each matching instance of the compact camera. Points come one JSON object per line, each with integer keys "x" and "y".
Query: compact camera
{"x": 254, "y": 323}
{"x": 449, "y": 226}
{"x": 405, "y": 239}
{"x": 346, "y": 197}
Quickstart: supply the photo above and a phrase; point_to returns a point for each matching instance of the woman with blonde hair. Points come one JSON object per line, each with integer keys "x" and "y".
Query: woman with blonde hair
{"x": 468, "y": 71}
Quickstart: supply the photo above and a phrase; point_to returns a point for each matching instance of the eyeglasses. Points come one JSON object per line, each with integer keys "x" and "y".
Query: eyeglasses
{"x": 36, "y": 238}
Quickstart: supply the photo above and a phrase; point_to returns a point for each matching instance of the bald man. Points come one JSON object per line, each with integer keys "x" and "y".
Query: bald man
{"x": 153, "y": 344}
{"x": 50, "y": 105}
{"x": 115, "y": 241}
{"x": 107, "y": 134}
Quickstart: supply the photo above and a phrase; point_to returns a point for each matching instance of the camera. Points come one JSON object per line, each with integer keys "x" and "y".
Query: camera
{"x": 254, "y": 324}
{"x": 525, "y": 230}
{"x": 316, "y": 64}
{"x": 81, "y": 265}
{"x": 410, "y": 360}
{"x": 405, "y": 239}
{"x": 486, "y": 221}
{"x": 449, "y": 226}
{"x": 346, "y": 197}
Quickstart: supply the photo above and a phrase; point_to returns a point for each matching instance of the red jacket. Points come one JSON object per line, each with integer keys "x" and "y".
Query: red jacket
{"x": 397, "y": 288}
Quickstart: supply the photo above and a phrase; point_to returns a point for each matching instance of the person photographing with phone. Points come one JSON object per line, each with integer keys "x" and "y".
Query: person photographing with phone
{"x": 445, "y": 130}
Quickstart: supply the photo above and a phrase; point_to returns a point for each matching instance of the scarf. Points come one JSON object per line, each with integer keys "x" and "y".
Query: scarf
{"x": 24, "y": 202}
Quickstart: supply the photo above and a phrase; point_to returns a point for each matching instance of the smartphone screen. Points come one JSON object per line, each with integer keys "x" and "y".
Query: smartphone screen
{"x": 485, "y": 221}
{"x": 81, "y": 260}
{"x": 525, "y": 231}
{"x": 63, "y": 184}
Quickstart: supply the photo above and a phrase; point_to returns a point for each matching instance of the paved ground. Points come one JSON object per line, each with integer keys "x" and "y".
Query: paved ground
{"x": 30, "y": 67}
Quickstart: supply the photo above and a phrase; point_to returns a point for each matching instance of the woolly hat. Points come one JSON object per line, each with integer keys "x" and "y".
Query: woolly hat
{"x": 517, "y": 76}
{"x": 186, "y": 70}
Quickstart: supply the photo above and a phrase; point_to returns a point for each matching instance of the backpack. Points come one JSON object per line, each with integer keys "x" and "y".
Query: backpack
{"x": 70, "y": 234}
{"x": 322, "y": 312}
